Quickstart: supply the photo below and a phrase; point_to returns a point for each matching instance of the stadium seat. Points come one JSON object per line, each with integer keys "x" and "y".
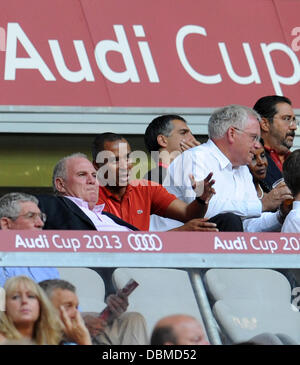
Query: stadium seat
{"x": 89, "y": 287}
{"x": 265, "y": 295}
{"x": 242, "y": 319}
{"x": 161, "y": 292}
{"x": 258, "y": 284}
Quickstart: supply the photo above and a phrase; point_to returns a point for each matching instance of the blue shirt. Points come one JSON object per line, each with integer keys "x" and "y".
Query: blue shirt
{"x": 35, "y": 273}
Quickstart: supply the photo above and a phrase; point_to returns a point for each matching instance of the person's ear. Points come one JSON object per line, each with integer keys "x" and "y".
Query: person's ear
{"x": 96, "y": 165}
{"x": 265, "y": 125}
{"x": 60, "y": 185}
{"x": 162, "y": 140}
{"x": 5, "y": 223}
{"x": 231, "y": 134}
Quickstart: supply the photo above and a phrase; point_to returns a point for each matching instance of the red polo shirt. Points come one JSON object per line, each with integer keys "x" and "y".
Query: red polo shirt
{"x": 275, "y": 157}
{"x": 137, "y": 204}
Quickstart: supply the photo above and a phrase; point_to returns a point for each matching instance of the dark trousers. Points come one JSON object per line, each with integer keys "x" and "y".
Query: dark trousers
{"x": 228, "y": 222}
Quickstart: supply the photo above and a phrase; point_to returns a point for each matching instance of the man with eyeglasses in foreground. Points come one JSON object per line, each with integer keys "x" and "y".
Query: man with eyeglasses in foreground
{"x": 234, "y": 133}
{"x": 278, "y": 126}
{"x": 20, "y": 211}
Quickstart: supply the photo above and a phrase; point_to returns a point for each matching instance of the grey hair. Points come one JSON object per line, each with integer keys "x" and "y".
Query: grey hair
{"x": 10, "y": 203}
{"x": 231, "y": 115}
{"x": 60, "y": 169}
{"x": 52, "y": 284}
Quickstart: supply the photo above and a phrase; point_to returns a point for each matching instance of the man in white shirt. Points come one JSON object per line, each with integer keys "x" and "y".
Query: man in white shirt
{"x": 234, "y": 132}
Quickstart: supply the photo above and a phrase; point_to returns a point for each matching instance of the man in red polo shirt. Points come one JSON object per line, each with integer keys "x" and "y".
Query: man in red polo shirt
{"x": 134, "y": 201}
{"x": 278, "y": 126}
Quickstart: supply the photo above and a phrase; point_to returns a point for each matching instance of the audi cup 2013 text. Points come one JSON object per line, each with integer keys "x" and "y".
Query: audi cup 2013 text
{"x": 137, "y": 242}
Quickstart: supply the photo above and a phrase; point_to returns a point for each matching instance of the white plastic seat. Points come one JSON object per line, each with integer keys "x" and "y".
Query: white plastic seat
{"x": 242, "y": 319}
{"x": 258, "y": 284}
{"x": 161, "y": 292}
{"x": 89, "y": 285}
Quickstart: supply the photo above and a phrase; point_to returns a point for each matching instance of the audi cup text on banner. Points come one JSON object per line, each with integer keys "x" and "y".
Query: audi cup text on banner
{"x": 148, "y": 54}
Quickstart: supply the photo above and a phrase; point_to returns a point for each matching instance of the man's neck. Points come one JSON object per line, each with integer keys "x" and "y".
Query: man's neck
{"x": 224, "y": 148}
{"x": 166, "y": 157}
{"x": 273, "y": 145}
{"x": 119, "y": 191}
{"x": 297, "y": 197}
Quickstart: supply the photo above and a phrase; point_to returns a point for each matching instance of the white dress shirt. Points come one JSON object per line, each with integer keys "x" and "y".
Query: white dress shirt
{"x": 292, "y": 221}
{"x": 235, "y": 191}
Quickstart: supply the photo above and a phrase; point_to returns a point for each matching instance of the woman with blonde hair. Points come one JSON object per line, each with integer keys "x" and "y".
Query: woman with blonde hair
{"x": 28, "y": 314}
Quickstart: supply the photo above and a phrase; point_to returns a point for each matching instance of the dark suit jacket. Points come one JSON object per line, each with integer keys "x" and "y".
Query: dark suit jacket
{"x": 62, "y": 213}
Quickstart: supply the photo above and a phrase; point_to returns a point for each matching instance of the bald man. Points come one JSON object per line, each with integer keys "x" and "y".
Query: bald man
{"x": 179, "y": 329}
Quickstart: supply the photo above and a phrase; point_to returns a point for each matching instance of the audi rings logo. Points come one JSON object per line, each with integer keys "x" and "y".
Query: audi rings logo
{"x": 144, "y": 242}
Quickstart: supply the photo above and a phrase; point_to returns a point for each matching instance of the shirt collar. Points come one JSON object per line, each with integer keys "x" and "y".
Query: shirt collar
{"x": 296, "y": 204}
{"x": 224, "y": 162}
{"x": 84, "y": 204}
{"x": 269, "y": 149}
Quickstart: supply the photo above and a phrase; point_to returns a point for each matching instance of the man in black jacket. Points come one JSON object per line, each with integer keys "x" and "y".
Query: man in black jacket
{"x": 74, "y": 208}
{"x": 74, "y": 205}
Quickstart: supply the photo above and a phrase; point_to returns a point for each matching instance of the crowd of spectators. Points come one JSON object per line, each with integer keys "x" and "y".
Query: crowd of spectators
{"x": 225, "y": 184}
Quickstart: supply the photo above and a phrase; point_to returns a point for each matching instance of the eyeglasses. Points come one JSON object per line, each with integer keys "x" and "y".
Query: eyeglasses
{"x": 32, "y": 216}
{"x": 254, "y": 137}
{"x": 289, "y": 119}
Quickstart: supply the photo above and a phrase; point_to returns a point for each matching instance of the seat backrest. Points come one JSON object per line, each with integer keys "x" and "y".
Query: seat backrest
{"x": 242, "y": 319}
{"x": 258, "y": 284}
{"x": 161, "y": 292}
{"x": 89, "y": 287}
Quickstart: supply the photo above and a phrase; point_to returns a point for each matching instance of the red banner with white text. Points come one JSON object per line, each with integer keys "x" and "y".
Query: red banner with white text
{"x": 142, "y": 53}
{"x": 149, "y": 242}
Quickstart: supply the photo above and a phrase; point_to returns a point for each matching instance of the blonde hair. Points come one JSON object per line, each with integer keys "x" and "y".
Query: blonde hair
{"x": 48, "y": 329}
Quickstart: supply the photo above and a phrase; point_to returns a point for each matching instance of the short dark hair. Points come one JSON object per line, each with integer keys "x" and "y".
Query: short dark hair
{"x": 100, "y": 139}
{"x": 266, "y": 106}
{"x": 161, "y": 335}
{"x": 291, "y": 172}
{"x": 159, "y": 125}
{"x": 51, "y": 284}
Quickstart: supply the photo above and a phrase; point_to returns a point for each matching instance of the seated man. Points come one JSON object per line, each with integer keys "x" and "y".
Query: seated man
{"x": 166, "y": 137}
{"x": 234, "y": 133}
{"x": 20, "y": 211}
{"x": 74, "y": 205}
{"x": 178, "y": 329}
{"x": 135, "y": 200}
{"x": 63, "y": 296}
{"x": 278, "y": 129}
